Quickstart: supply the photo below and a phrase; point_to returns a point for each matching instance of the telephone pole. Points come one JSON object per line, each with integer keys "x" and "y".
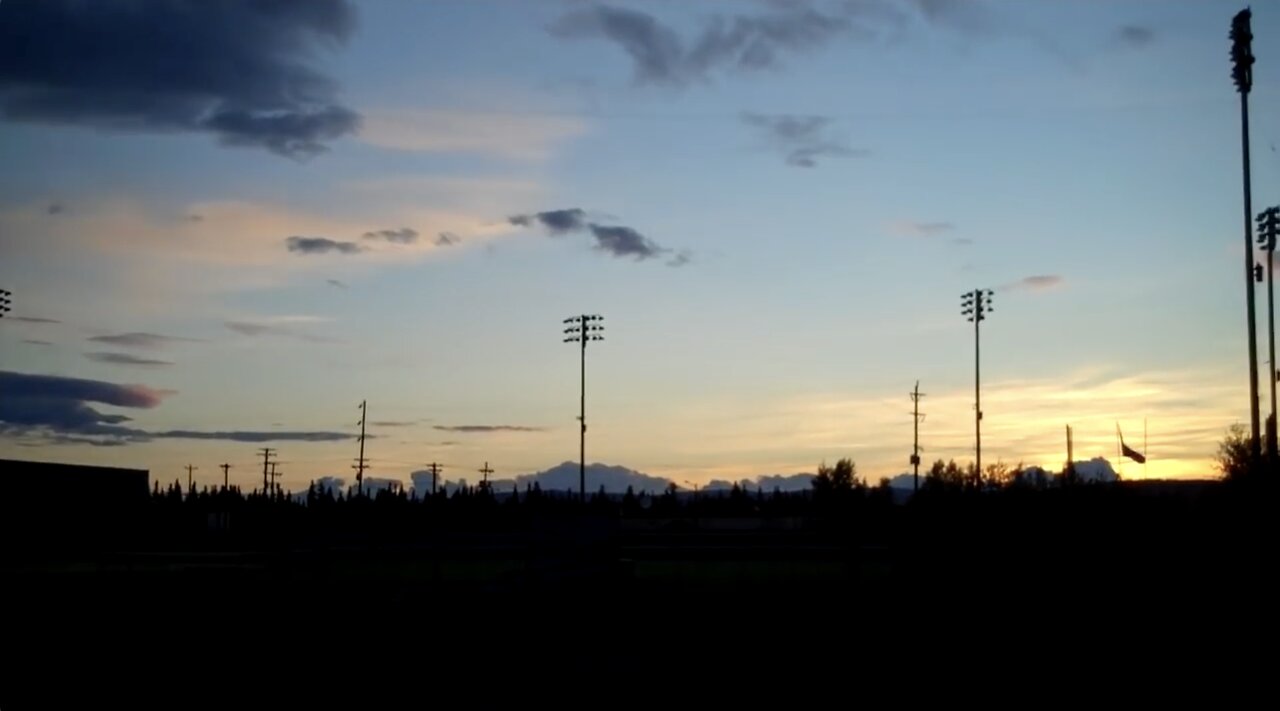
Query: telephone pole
{"x": 1242, "y": 74}
{"x": 486, "y": 471}
{"x": 1268, "y": 231}
{"x": 582, "y": 329}
{"x": 274, "y": 475}
{"x": 435, "y": 476}
{"x": 189, "y": 478}
{"x": 224, "y": 466}
{"x": 267, "y": 454}
{"x": 975, "y": 305}
{"x": 360, "y": 466}
{"x": 916, "y": 418}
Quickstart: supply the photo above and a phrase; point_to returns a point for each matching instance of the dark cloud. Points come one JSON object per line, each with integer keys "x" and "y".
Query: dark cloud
{"x": 34, "y": 342}
{"x": 1135, "y": 36}
{"x": 57, "y": 410}
{"x": 31, "y": 319}
{"x": 147, "y": 341}
{"x": 394, "y": 423}
{"x": 254, "y": 436}
{"x": 55, "y": 208}
{"x": 557, "y": 222}
{"x": 962, "y": 241}
{"x": 474, "y": 429}
{"x": 404, "y": 235}
{"x": 56, "y": 405}
{"x": 967, "y": 16}
{"x": 617, "y": 240}
{"x": 659, "y": 54}
{"x": 447, "y": 239}
{"x": 320, "y": 245}
{"x": 335, "y": 282}
{"x": 1038, "y": 282}
{"x": 241, "y": 70}
{"x": 125, "y": 359}
{"x": 195, "y": 218}
{"x": 252, "y": 328}
{"x": 801, "y": 139}
{"x": 624, "y": 242}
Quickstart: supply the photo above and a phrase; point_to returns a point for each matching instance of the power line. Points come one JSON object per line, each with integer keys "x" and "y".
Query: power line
{"x": 583, "y": 328}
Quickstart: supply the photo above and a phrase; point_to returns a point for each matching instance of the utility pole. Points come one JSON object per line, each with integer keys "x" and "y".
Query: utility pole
{"x": 1268, "y": 231}
{"x": 486, "y": 471}
{"x": 360, "y": 466}
{"x": 189, "y": 478}
{"x": 435, "y": 476}
{"x": 1242, "y": 74}
{"x": 274, "y": 475}
{"x": 916, "y": 418}
{"x": 582, "y": 329}
{"x": 975, "y": 305}
{"x": 267, "y": 454}
{"x": 224, "y": 467}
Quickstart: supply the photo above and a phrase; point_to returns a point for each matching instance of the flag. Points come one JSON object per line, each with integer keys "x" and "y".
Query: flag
{"x": 1128, "y": 451}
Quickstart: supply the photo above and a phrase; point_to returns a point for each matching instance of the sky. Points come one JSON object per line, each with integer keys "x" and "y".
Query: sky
{"x": 225, "y": 225}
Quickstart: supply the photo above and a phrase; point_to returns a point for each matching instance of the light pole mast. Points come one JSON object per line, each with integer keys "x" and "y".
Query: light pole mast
{"x": 916, "y": 419}
{"x": 975, "y": 305}
{"x": 1268, "y": 231}
{"x": 1242, "y": 74}
{"x": 581, "y": 329}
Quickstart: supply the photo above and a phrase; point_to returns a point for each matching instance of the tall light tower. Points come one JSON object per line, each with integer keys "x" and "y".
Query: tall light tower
{"x": 4, "y": 301}
{"x": 1242, "y": 74}
{"x": 580, "y": 329}
{"x": 975, "y": 305}
{"x": 1268, "y": 230}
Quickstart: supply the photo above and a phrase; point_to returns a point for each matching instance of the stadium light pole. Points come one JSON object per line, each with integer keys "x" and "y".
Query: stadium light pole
{"x": 975, "y": 305}
{"x": 1242, "y": 74}
{"x": 1268, "y": 230}
{"x": 5, "y": 302}
{"x": 581, "y": 329}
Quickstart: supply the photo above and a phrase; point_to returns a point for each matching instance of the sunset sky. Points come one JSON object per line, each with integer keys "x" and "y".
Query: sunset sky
{"x": 231, "y": 225}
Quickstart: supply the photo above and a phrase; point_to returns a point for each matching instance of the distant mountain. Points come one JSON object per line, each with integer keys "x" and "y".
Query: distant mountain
{"x": 767, "y": 482}
{"x": 564, "y": 477}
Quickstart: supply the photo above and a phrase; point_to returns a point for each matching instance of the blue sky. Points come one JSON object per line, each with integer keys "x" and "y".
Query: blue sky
{"x": 807, "y": 188}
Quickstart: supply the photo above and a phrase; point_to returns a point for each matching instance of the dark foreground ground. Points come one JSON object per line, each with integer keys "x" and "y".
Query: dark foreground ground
{"x": 953, "y": 598}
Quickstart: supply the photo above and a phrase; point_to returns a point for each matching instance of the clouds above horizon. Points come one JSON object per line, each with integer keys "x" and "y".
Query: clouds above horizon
{"x": 140, "y": 339}
{"x": 125, "y": 359}
{"x": 320, "y": 245}
{"x": 276, "y": 328}
{"x": 615, "y": 240}
{"x": 404, "y": 235}
{"x": 240, "y": 70}
{"x": 1036, "y": 282}
{"x": 801, "y": 139}
{"x": 743, "y": 42}
{"x": 58, "y": 410}
{"x": 485, "y": 429}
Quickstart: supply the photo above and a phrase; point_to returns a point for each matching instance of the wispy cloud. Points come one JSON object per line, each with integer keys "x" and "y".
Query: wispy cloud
{"x": 320, "y": 245}
{"x": 1037, "y": 282}
{"x": 256, "y": 436}
{"x": 260, "y": 328}
{"x": 913, "y": 228}
{"x": 140, "y": 339}
{"x": 1135, "y": 36}
{"x": 447, "y": 239}
{"x": 802, "y": 140}
{"x": 615, "y": 240}
{"x": 404, "y": 235}
{"x": 265, "y": 90}
{"x": 481, "y": 429}
{"x": 125, "y": 359}
{"x": 33, "y": 320}
{"x": 36, "y": 342}
{"x": 335, "y": 283}
{"x": 55, "y": 208}
{"x": 743, "y": 42}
